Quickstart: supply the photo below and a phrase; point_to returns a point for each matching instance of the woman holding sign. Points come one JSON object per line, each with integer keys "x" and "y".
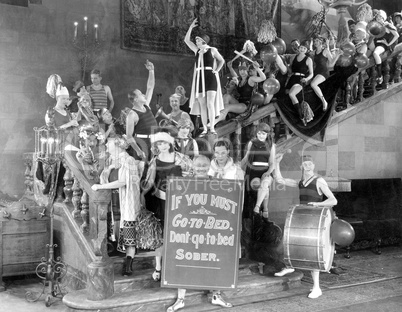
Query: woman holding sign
{"x": 166, "y": 162}
{"x": 201, "y": 166}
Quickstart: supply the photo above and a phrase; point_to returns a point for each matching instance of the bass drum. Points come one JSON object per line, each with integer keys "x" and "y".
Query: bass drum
{"x": 307, "y": 242}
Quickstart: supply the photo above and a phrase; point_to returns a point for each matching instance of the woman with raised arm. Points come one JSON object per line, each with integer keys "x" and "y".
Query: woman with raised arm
{"x": 139, "y": 120}
{"x": 249, "y": 77}
{"x": 206, "y": 95}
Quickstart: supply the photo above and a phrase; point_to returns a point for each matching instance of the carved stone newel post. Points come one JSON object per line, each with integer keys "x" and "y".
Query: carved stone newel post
{"x": 100, "y": 272}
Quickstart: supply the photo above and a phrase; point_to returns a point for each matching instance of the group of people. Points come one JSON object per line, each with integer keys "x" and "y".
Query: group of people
{"x": 143, "y": 155}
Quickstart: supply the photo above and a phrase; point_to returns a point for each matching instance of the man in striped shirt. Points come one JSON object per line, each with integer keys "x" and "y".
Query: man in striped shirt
{"x": 100, "y": 94}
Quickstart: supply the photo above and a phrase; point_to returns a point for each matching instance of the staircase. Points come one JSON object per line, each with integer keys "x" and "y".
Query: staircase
{"x": 95, "y": 280}
{"x": 140, "y": 292}
{"x": 83, "y": 226}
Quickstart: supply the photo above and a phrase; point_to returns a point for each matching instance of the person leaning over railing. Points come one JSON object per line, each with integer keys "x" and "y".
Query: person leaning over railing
{"x": 384, "y": 43}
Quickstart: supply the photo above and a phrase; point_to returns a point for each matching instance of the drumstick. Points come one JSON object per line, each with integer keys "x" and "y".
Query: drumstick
{"x": 239, "y": 54}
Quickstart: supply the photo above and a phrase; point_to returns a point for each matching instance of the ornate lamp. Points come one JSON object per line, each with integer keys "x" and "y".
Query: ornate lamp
{"x": 49, "y": 149}
{"x": 49, "y": 144}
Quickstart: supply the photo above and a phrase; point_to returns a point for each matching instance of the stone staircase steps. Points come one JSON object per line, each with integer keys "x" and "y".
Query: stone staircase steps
{"x": 144, "y": 267}
{"x": 140, "y": 293}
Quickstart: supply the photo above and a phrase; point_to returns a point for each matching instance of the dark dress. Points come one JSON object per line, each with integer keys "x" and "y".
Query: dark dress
{"x": 299, "y": 70}
{"x": 259, "y": 152}
{"x": 186, "y": 106}
{"x": 309, "y": 193}
{"x": 210, "y": 79}
{"x": 146, "y": 123}
{"x": 164, "y": 169}
{"x": 245, "y": 92}
{"x": 321, "y": 65}
{"x": 388, "y": 37}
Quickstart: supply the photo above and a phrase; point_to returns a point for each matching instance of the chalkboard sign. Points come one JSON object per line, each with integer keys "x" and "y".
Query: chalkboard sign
{"x": 202, "y": 232}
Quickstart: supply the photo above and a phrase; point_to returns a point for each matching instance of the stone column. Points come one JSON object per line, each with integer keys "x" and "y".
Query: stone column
{"x": 100, "y": 272}
{"x": 100, "y": 279}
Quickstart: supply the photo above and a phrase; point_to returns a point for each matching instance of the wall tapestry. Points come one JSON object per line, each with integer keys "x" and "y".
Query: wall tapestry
{"x": 159, "y": 26}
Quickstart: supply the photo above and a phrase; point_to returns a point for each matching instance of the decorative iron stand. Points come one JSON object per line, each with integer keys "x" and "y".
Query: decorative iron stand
{"x": 49, "y": 149}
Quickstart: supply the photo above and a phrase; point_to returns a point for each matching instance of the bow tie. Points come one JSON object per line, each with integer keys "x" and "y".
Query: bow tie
{"x": 182, "y": 139}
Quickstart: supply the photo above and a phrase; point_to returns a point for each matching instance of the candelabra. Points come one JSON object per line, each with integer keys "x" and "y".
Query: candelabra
{"x": 88, "y": 50}
{"x": 49, "y": 143}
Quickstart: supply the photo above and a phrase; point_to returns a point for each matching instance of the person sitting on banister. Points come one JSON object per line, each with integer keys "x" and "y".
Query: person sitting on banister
{"x": 248, "y": 78}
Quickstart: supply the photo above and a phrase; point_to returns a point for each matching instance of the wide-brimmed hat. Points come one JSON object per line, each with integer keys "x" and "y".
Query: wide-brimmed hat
{"x": 204, "y": 37}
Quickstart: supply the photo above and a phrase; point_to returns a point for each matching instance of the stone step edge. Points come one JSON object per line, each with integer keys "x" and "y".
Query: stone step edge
{"x": 244, "y": 265}
{"x": 205, "y": 305}
{"x": 77, "y": 300}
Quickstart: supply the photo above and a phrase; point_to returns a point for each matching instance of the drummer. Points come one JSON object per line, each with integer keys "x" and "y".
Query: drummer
{"x": 312, "y": 190}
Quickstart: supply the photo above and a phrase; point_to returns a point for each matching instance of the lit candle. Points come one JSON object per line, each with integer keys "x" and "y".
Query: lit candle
{"x": 96, "y": 32}
{"x": 75, "y": 30}
{"x": 85, "y": 25}
{"x": 42, "y": 146}
{"x": 57, "y": 145}
{"x": 50, "y": 146}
